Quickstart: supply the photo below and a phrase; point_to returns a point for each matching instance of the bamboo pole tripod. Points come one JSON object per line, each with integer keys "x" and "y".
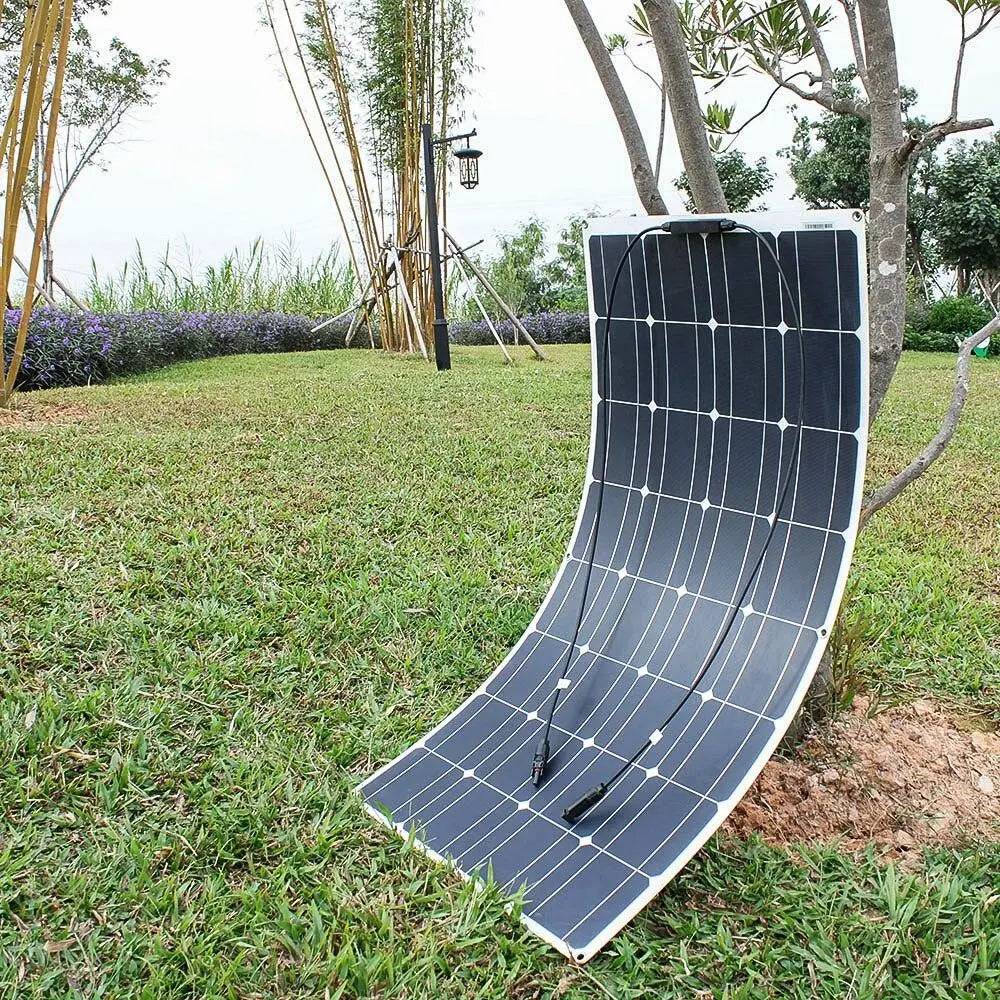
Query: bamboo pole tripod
{"x": 392, "y": 281}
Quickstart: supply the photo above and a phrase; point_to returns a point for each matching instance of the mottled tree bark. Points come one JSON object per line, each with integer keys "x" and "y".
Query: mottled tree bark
{"x": 685, "y": 105}
{"x": 635, "y": 145}
{"x": 889, "y": 166}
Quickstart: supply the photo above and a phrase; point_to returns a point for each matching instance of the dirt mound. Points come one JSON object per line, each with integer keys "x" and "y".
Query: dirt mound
{"x": 907, "y": 777}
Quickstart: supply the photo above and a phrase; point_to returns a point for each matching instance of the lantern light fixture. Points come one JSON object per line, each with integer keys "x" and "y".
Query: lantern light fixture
{"x": 468, "y": 166}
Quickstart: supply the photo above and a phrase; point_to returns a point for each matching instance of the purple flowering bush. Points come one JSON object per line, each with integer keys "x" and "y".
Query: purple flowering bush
{"x": 546, "y": 328}
{"x": 72, "y": 348}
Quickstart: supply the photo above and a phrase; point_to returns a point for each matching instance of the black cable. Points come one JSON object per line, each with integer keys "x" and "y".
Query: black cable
{"x": 541, "y": 758}
{"x": 678, "y": 228}
{"x": 582, "y": 806}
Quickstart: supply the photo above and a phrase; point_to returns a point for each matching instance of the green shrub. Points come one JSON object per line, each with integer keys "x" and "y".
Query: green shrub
{"x": 941, "y": 325}
{"x": 957, "y": 315}
{"x": 928, "y": 340}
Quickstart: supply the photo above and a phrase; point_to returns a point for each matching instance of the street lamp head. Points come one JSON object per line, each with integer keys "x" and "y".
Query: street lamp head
{"x": 468, "y": 166}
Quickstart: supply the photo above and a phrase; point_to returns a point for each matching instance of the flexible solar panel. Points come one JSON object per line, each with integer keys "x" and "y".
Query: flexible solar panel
{"x": 712, "y": 394}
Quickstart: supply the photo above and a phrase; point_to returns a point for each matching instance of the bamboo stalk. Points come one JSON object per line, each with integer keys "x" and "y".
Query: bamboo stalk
{"x": 42, "y": 20}
{"x": 382, "y": 183}
{"x": 14, "y": 116}
{"x": 66, "y": 11}
{"x": 9, "y": 149}
{"x": 309, "y": 132}
{"x": 404, "y": 291}
{"x": 372, "y": 264}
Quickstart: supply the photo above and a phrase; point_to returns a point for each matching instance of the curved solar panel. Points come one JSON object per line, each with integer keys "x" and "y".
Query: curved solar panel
{"x": 704, "y": 378}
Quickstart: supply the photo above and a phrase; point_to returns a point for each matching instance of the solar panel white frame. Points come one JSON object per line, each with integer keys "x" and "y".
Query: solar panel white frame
{"x": 768, "y": 223}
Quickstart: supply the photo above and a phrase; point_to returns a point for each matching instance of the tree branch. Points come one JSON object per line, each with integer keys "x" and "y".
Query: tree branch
{"x": 825, "y": 67}
{"x": 851, "y": 12}
{"x": 664, "y": 108}
{"x": 935, "y": 448}
{"x": 838, "y": 105}
{"x": 735, "y": 133}
{"x": 641, "y": 69}
{"x": 959, "y": 63}
{"x": 916, "y": 144}
{"x": 657, "y": 167}
{"x": 99, "y": 138}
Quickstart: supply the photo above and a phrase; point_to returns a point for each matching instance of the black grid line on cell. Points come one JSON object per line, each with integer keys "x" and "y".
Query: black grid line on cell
{"x": 703, "y": 383}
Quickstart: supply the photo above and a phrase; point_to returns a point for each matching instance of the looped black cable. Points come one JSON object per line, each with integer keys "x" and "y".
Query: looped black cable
{"x": 541, "y": 758}
{"x": 683, "y": 227}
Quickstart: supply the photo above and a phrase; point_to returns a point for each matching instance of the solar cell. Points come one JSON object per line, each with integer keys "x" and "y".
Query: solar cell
{"x": 708, "y": 561}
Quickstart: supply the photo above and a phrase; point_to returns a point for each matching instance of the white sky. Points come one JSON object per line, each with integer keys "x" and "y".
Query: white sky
{"x": 221, "y": 158}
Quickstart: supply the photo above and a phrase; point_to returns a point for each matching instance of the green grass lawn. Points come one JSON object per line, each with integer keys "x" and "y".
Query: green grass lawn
{"x": 231, "y": 589}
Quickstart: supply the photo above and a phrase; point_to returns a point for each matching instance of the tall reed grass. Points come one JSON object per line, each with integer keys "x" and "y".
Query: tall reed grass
{"x": 257, "y": 280}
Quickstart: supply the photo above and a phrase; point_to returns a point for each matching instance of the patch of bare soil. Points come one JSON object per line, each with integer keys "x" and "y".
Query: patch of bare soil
{"x": 32, "y": 416}
{"x": 911, "y": 776}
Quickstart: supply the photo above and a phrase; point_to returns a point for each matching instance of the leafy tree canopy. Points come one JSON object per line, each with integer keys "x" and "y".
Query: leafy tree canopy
{"x": 566, "y": 273}
{"x": 743, "y": 182}
{"x": 517, "y": 269}
{"x": 965, "y": 209}
{"x": 534, "y": 279}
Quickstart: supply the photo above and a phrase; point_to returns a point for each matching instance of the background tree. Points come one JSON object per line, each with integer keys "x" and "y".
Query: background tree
{"x": 922, "y": 253}
{"x": 828, "y": 156}
{"x": 517, "y": 270}
{"x": 102, "y": 88}
{"x": 743, "y": 183}
{"x": 965, "y": 215}
{"x": 531, "y": 276}
{"x": 566, "y": 273}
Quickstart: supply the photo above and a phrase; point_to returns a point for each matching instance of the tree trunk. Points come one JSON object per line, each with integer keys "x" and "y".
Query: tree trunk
{"x": 818, "y": 705}
{"x": 635, "y": 145}
{"x": 888, "y": 238}
{"x": 685, "y": 106}
{"x": 889, "y": 201}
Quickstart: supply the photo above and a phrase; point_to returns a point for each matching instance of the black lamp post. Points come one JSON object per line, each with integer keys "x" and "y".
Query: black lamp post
{"x": 469, "y": 176}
